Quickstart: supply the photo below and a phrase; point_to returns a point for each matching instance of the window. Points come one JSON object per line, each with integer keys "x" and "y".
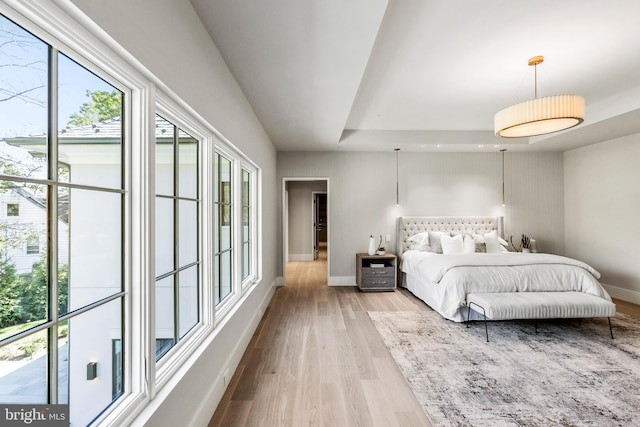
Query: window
{"x": 77, "y": 197}
{"x": 13, "y": 209}
{"x": 64, "y": 153}
{"x": 246, "y": 223}
{"x": 33, "y": 247}
{"x": 223, "y": 254}
{"x": 177, "y": 235}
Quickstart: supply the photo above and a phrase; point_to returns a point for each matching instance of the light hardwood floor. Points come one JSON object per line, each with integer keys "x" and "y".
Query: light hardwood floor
{"x": 316, "y": 359}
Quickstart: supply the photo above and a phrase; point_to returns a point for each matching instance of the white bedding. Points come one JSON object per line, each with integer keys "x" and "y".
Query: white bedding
{"x": 443, "y": 281}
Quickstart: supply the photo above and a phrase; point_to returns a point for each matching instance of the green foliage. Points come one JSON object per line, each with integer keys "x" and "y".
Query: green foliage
{"x": 24, "y": 299}
{"x": 101, "y": 106}
{"x": 34, "y": 293}
{"x": 10, "y": 308}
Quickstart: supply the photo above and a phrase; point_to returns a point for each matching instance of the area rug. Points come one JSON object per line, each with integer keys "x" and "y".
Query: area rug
{"x": 570, "y": 373}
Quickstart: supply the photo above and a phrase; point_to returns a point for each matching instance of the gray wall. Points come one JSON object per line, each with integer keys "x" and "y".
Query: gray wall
{"x": 362, "y": 195}
{"x": 196, "y": 72}
{"x": 301, "y": 218}
{"x": 602, "y": 212}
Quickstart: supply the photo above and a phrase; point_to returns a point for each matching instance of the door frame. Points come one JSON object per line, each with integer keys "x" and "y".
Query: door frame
{"x": 285, "y": 220}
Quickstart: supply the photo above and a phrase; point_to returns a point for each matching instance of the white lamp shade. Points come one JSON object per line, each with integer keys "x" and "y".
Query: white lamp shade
{"x": 539, "y": 116}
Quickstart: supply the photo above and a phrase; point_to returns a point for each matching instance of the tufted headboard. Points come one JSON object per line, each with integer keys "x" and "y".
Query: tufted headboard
{"x": 410, "y": 225}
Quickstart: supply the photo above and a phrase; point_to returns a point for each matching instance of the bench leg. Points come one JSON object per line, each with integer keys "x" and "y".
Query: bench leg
{"x": 610, "y": 329}
{"x": 484, "y": 314}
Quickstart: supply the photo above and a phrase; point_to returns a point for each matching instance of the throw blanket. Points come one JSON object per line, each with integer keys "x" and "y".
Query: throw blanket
{"x": 443, "y": 281}
{"x": 437, "y": 265}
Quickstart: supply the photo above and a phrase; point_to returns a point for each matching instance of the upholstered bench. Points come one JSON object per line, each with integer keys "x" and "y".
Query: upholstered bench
{"x": 539, "y": 305}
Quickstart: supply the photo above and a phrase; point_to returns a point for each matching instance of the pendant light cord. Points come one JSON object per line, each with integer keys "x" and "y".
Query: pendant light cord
{"x": 503, "y": 200}
{"x": 397, "y": 150}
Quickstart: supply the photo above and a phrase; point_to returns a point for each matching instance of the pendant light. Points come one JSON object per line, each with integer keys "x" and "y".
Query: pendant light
{"x": 539, "y": 116}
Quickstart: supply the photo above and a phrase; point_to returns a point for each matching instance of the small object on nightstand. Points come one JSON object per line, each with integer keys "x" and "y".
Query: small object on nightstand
{"x": 372, "y": 245}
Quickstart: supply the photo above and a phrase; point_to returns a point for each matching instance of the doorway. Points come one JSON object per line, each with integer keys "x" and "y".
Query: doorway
{"x": 305, "y": 222}
{"x": 319, "y": 223}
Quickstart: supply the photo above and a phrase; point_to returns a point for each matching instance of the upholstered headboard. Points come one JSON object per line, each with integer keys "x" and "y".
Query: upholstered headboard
{"x": 410, "y": 225}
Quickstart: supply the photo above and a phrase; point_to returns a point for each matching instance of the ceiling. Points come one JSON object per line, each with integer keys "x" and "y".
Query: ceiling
{"x": 427, "y": 75}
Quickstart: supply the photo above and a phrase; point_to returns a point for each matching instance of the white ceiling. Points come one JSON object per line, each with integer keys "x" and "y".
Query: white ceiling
{"x": 427, "y": 75}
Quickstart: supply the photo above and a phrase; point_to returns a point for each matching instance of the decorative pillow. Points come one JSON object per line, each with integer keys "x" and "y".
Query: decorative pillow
{"x": 419, "y": 242}
{"x": 452, "y": 245}
{"x": 493, "y": 243}
{"x": 469, "y": 244}
{"x": 434, "y": 240}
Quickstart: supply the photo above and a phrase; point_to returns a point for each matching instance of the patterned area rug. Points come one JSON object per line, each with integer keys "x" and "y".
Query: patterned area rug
{"x": 569, "y": 374}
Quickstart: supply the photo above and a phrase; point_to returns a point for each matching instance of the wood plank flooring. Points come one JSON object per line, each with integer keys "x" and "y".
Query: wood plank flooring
{"x": 317, "y": 360}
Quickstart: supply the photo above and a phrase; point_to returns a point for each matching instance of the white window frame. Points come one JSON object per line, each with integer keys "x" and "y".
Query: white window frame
{"x": 165, "y": 368}
{"x": 230, "y": 300}
{"x": 240, "y": 286}
{"x": 62, "y": 25}
{"x": 75, "y": 36}
{"x": 252, "y": 279}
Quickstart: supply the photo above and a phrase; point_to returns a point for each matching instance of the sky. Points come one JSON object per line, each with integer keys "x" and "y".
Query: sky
{"x": 23, "y": 67}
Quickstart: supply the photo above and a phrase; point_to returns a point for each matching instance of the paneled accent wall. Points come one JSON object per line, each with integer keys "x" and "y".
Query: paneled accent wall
{"x": 362, "y": 195}
{"x": 602, "y": 212}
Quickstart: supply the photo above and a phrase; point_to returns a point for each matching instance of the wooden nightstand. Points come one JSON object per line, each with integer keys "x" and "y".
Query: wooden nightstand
{"x": 376, "y": 272}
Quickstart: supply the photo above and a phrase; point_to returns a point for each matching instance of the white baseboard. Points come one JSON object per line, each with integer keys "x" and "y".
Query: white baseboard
{"x": 342, "y": 281}
{"x": 212, "y": 398}
{"x": 300, "y": 257}
{"x": 280, "y": 281}
{"x": 623, "y": 294}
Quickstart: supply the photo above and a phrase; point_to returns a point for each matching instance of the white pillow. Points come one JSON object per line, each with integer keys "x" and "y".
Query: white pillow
{"x": 469, "y": 244}
{"x": 435, "y": 242}
{"x": 419, "y": 242}
{"x": 492, "y": 241}
{"x": 452, "y": 245}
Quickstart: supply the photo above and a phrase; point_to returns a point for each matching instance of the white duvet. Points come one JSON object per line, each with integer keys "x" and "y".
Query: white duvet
{"x": 443, "y": 281}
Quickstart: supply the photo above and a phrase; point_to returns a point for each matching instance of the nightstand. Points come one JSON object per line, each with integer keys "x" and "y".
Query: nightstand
{"x": 376, "y": 272}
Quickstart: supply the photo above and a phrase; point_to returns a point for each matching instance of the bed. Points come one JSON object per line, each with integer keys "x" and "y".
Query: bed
{"x": 444, "y": 280}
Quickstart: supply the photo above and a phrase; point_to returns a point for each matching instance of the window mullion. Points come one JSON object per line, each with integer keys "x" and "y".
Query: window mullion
{"x": 52, "y": 216}
{"x": 176, "y": 236}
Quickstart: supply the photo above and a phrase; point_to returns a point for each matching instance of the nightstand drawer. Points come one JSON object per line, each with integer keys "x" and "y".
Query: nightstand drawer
{"x": 378, "y": 273}
{"x": 378, "y": 283}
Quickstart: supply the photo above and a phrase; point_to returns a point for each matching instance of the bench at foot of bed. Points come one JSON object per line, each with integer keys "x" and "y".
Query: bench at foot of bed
{"x": 539, "y": 305}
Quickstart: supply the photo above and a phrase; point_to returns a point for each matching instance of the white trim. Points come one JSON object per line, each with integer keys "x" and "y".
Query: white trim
{"x": 300, "y": 257}
{"x": 253, "y": 225}
{"x": 285, "y": 221}
{"x": 212, "y": 397}
{"x": 63, "y": 25}
{"x": 174, "y": 359}
{"x": 623, "y": 294}
{"x": 342, "y": 281}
